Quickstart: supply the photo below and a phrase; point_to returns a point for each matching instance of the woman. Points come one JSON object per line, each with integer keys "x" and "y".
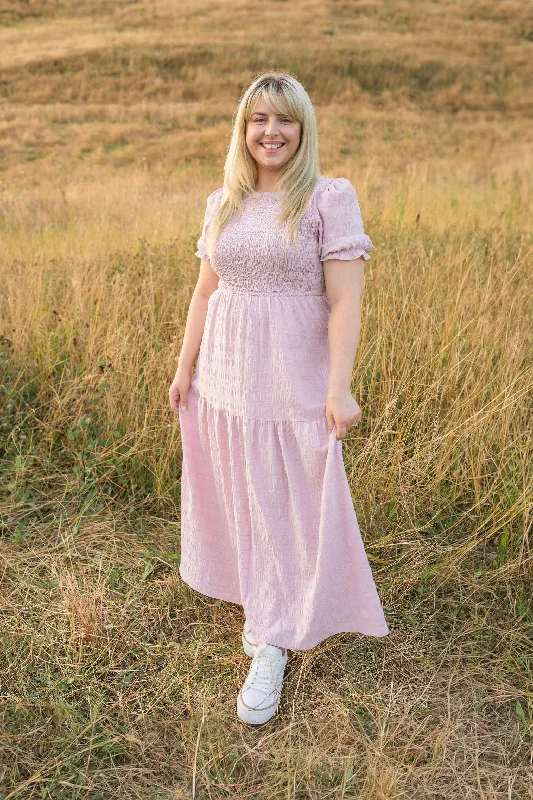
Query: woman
{"x": 267, "y": 519}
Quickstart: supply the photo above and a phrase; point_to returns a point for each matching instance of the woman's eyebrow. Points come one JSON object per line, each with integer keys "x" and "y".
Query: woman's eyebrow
{"x": 264, "y": 114}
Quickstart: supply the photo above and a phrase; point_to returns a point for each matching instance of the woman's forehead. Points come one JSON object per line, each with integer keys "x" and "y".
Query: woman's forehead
{"x": 262, "y": 105}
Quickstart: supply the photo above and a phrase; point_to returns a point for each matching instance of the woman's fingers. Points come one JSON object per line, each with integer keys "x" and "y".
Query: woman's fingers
{"x": 342, "y": 427}
{"x": 174, "y": 398}
{"x": 178, "y": 396}
{"x": 341, "y": 431}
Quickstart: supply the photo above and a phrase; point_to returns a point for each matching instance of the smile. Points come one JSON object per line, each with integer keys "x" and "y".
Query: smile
{"x": 272, "y": 146}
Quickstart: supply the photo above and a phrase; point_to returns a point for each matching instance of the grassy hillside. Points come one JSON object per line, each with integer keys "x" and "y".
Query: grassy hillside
{"x": 117, "y": 680}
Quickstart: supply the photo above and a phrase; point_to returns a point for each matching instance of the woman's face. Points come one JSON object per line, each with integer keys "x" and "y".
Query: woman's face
{"x": 266, "y": 126}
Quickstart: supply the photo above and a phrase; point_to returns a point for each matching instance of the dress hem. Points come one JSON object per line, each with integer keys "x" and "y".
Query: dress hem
{"x": 216, "y": 595}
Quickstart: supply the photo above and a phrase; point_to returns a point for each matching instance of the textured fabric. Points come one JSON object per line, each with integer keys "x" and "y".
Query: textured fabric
{"x": 331, "y": 228}
{"x": 267, "y": 518}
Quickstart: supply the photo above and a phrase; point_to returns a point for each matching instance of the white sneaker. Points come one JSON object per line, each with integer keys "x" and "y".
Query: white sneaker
{"x": 259, "y": 696}
{"x": 248, "y": 643}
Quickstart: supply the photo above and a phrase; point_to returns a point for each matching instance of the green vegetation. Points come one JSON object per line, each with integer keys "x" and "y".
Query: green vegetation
{"x": 117, "y": 680}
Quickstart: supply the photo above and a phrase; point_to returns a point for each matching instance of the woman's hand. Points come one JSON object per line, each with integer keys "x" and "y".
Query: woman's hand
{"x": 342, "y": 410}
{"x": 179, "y": 389}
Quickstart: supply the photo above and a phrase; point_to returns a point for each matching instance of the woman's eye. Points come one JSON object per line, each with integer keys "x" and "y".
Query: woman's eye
{"x": 262, "y": 119}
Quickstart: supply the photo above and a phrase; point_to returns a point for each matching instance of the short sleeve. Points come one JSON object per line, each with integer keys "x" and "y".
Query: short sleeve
{"x": 211, "y": 207}
{"x": 341, "y": 229}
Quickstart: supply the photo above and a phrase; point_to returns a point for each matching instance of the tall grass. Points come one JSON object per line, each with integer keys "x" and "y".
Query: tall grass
{"x": 117, "y": 679}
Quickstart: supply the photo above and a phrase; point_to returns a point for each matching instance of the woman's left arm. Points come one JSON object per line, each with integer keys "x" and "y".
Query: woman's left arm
{"x": 344, "y": 287}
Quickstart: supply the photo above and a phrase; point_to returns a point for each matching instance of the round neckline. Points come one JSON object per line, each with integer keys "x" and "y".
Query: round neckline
{"x": 320, "y": 180}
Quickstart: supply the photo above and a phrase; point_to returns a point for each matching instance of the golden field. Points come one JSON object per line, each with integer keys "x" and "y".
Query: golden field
{"x": 119, "y": 681}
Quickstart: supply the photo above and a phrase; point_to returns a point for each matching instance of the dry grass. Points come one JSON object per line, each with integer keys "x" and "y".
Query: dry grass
{"x": 118, "y": 681}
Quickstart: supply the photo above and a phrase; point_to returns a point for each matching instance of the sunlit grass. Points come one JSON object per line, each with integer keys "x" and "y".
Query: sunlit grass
{"x": 117, "y": 679}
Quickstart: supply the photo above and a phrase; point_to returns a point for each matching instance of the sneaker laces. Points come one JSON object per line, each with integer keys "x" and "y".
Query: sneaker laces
{"x": 263, "y": 664}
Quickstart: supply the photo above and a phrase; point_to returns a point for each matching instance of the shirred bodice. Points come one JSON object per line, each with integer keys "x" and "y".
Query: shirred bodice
{"x": 252, "y": 253}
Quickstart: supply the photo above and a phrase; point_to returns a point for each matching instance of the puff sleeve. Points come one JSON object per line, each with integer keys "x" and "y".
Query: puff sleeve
{"x": 211, "y": 207}
{"x": 341, "y": 227}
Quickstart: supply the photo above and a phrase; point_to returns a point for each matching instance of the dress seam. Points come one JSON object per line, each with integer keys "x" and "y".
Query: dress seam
{"x": 228, "y": 290}
{"x": 256, "y": 419}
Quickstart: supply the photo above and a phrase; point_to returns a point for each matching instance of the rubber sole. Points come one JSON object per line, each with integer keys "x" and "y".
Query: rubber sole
{"x": 254, "y": 717}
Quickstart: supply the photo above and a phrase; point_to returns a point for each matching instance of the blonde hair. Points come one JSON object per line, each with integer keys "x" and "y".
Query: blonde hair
{"x": 300, "y": 174}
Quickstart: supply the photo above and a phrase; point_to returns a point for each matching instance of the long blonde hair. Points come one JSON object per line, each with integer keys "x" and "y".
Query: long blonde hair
{"x": 299, "y": 176}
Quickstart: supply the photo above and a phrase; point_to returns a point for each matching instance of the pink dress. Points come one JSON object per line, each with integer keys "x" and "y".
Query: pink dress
{"x": 267, "y": 517}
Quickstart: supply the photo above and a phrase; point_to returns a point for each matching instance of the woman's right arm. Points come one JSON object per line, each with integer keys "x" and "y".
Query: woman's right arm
{"x": 192, "y": 338}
